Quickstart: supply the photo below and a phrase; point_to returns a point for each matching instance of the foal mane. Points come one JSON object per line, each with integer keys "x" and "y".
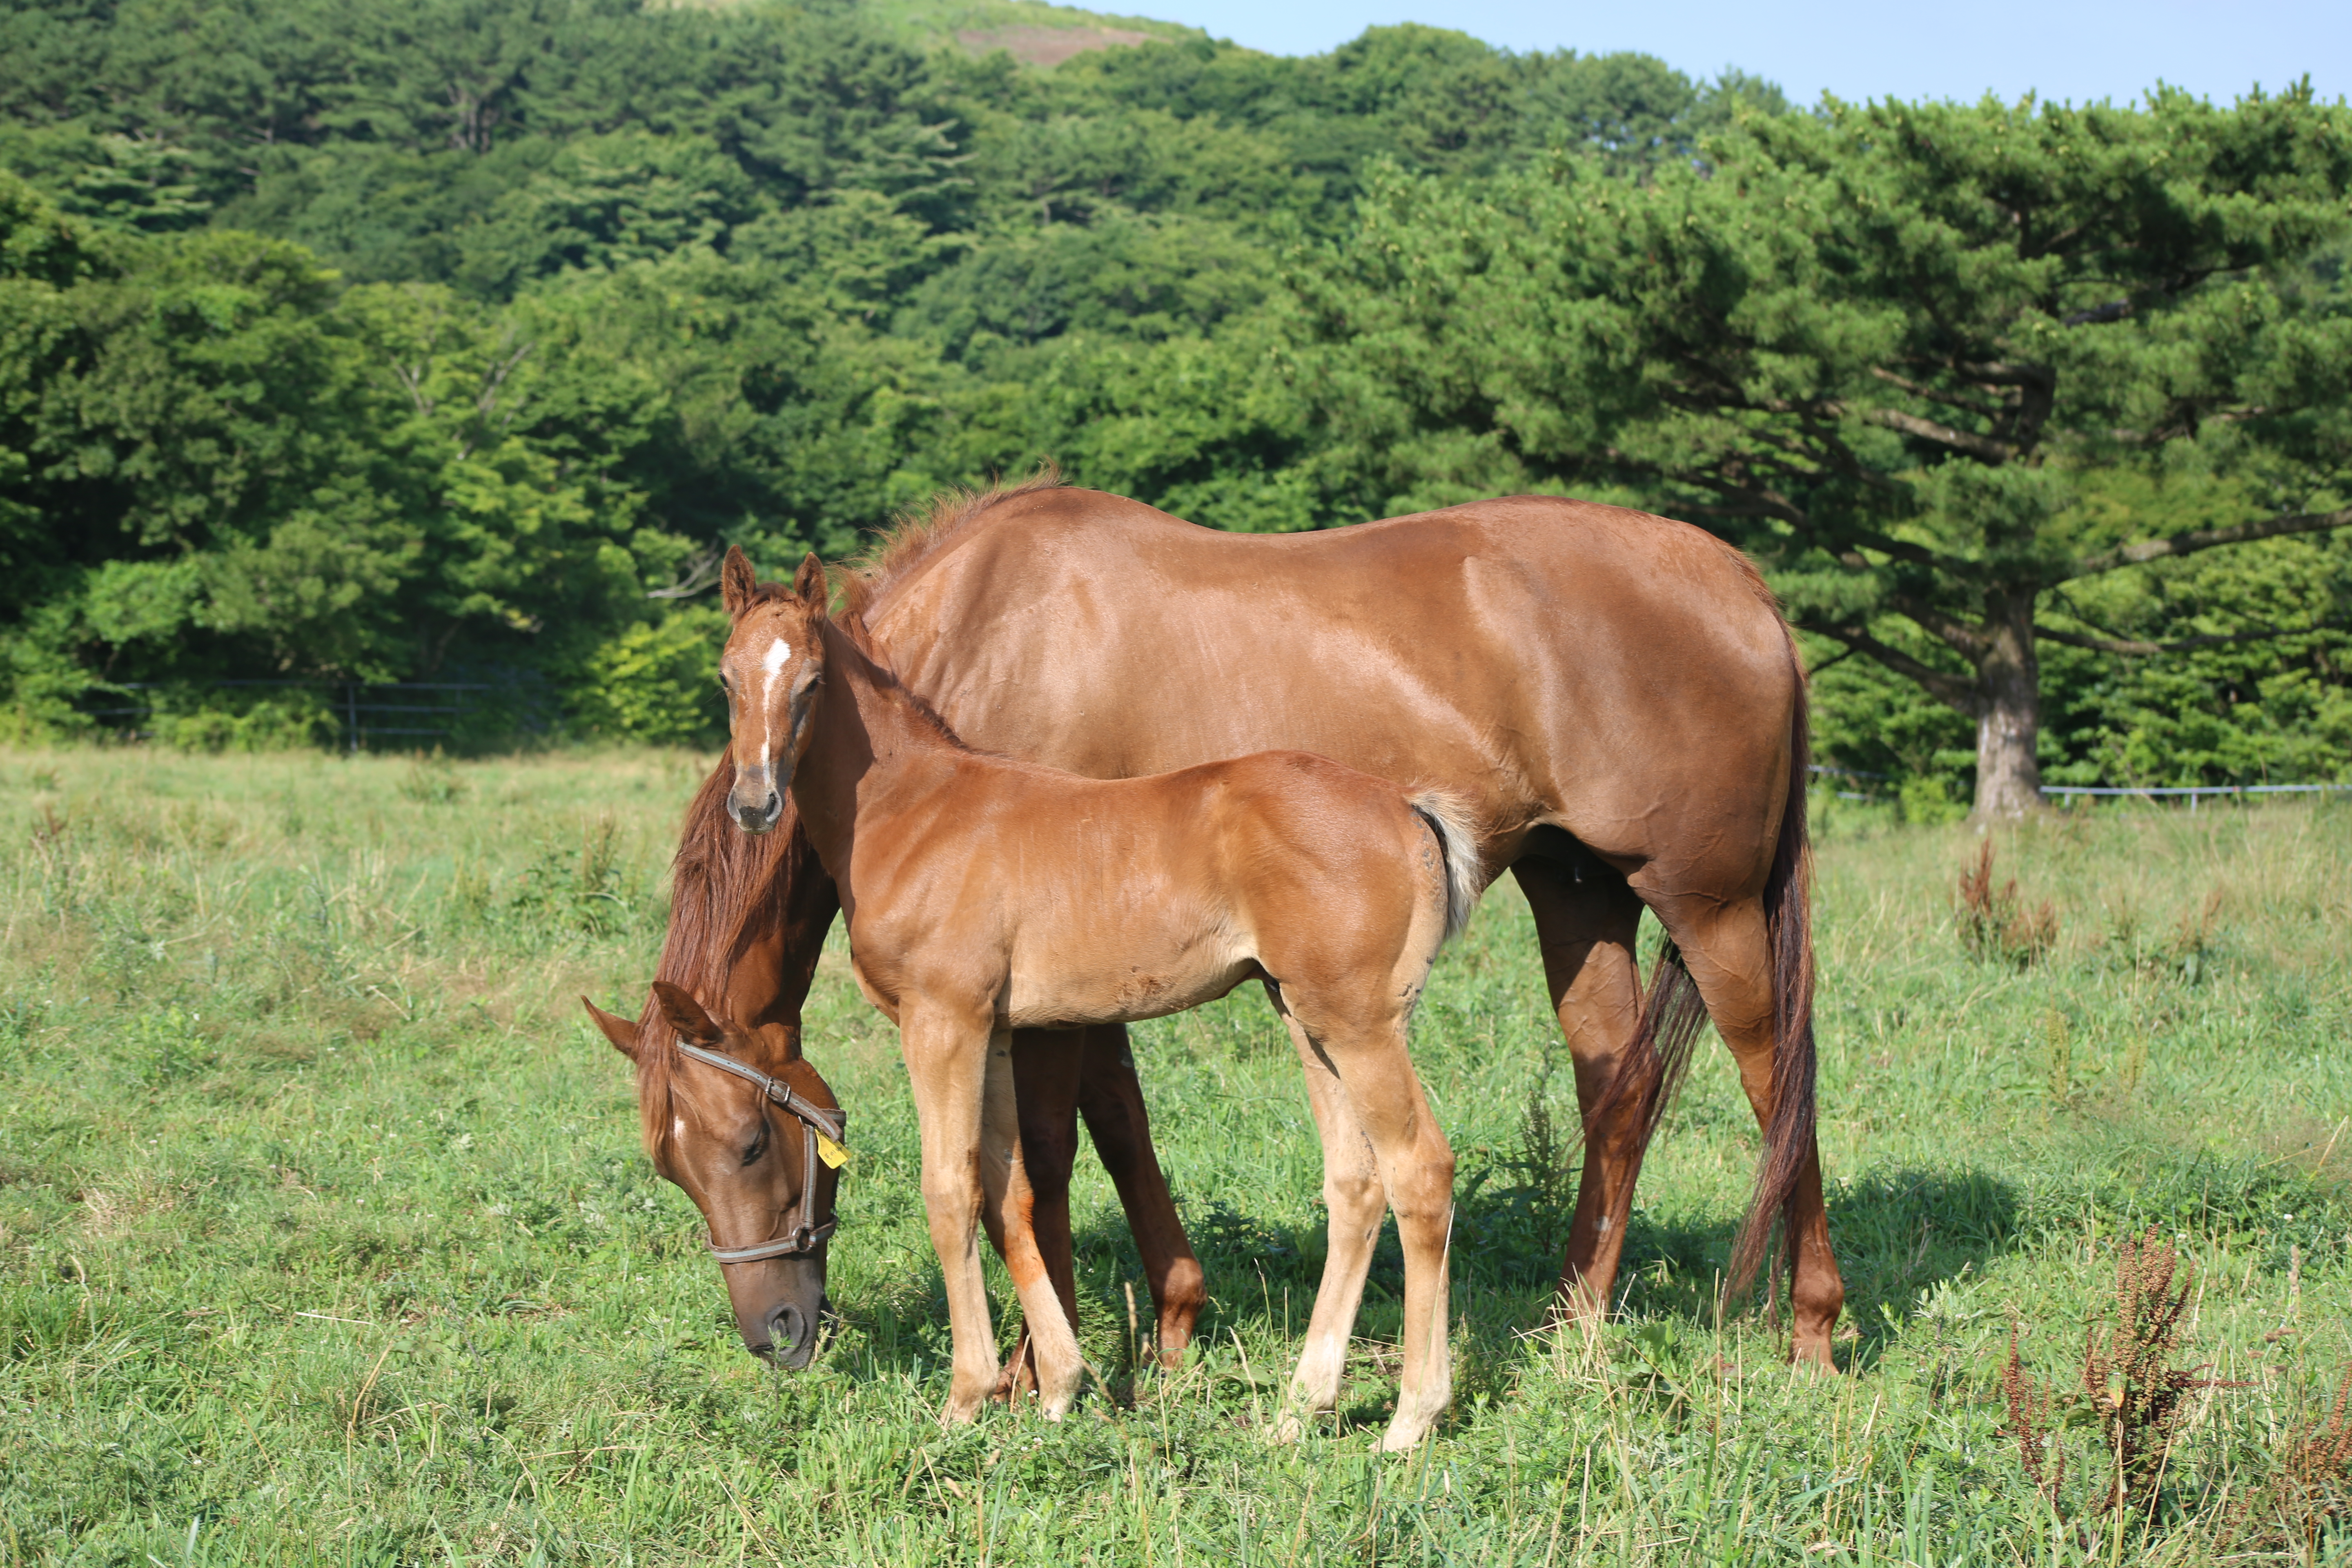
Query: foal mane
{"x": 727, "y": 885}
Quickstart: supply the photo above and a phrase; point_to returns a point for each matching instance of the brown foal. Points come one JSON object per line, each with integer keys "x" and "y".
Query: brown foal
{"x": 985, "y": 895}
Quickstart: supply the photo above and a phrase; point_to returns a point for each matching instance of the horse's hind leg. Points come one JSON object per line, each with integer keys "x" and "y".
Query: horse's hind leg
{"x": 1353, "y": 1195}
{"x": 1111, "y": 1100}
{"x": 1728, "y": 953}
{"x": 1586, "y": 918}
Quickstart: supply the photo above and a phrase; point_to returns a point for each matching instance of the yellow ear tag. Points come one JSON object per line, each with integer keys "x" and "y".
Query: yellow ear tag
{"x": 831, "y": 1153}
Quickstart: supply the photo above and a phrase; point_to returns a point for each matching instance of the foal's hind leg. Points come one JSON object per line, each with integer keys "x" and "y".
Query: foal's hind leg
{"x": 1586, "y": 925}
{"x": 1729, "y": 956}
{"x": 1353, "y": 1195}
{"x": 1415, "y": 1167}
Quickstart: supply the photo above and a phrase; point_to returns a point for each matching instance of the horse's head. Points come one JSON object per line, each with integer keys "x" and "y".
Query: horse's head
{"x": 753, "y": 1134}
{"x": 772, "y": 665}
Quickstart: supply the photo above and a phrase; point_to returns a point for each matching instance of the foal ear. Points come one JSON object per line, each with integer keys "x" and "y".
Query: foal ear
{"x": 686, "y": 1015}
{"x": 737, "y": 581}
{"x": 809, "y": 581}
{"x": 620, "y": 1031}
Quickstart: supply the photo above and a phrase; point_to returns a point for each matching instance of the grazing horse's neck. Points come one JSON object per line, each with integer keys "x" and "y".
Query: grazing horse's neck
{"x": 866, "y": 733}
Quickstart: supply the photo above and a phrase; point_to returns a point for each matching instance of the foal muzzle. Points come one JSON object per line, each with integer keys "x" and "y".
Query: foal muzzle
{"x": 754, "y": 803}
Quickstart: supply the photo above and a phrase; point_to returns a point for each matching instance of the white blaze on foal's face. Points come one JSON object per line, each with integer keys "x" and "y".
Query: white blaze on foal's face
{"x": 771, "y": 663}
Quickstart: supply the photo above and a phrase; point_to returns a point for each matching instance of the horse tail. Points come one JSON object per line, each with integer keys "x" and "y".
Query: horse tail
{"x": 1450, "y": 819}
{"x": 1659, "y": 1055}
{"x": 1788, "y": 934}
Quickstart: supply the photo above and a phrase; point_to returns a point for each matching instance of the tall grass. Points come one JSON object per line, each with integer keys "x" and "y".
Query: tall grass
{"x": 325, "y": 1238}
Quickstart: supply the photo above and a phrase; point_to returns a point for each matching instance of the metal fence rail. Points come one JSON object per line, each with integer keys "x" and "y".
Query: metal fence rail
{"x": 358, "y": 697}
{"x": 2065, "y": 794}
{"x": 2194, "y": 792}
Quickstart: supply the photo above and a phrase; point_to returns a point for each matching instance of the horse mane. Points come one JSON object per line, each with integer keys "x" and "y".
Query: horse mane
{"x": 724, "y": 885}
{"x": 912, "y": 536}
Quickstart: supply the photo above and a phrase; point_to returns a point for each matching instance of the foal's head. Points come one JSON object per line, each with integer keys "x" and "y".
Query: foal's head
{"x": 758, "y": 1161}
{"x": 772, "y": 666}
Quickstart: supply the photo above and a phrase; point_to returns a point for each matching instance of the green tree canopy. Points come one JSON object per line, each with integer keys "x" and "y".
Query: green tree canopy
{"x": 1940, "y": 365}
{"x": 383, "y": 340}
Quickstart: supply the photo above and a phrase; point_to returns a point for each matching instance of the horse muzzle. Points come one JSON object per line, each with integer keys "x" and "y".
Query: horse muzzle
{"x": 791, "y": 1338}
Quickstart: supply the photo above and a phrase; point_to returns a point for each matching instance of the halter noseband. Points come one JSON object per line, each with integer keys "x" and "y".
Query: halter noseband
{"x": 814, "y": 1119}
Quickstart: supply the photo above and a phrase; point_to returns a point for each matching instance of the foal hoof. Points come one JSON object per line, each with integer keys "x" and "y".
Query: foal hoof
{"x": 1400, "y": 1440}
{"x": 965, "y": 1402}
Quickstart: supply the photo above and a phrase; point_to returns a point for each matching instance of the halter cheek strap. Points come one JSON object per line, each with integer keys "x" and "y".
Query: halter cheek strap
{"x": 806, "y": 1235}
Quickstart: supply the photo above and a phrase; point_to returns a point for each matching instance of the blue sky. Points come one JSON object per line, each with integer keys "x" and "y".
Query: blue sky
{"x": 2078, "y": 50}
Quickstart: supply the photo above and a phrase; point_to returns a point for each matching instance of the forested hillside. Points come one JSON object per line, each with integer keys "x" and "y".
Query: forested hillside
{"x": 450, "y": 339}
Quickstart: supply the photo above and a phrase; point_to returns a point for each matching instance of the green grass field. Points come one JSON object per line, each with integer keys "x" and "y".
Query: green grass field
{"x": 325, "y": 1236}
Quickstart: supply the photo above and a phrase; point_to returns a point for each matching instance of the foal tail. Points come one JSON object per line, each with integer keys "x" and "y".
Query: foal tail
{"x": 1449, "y": 818}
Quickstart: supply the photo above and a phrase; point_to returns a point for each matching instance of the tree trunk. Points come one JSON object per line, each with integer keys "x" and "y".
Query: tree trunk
{"x": 2009, "y": 716}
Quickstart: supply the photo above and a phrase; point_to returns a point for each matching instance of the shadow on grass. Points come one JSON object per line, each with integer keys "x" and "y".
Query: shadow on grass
{"x": 1898, "y": 1234}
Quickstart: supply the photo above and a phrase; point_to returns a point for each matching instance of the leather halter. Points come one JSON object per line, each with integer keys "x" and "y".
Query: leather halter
{"x": 807, "y": 1236}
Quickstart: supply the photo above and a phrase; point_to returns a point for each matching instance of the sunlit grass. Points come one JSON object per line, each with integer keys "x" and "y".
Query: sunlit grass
{"x": 324, "y": 1235}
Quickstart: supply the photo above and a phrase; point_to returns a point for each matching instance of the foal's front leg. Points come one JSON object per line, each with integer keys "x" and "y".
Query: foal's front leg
{"x": 1009, "y": 1213}
{"x": 947, "y": 1065}
{"x": 962, "y": 1077}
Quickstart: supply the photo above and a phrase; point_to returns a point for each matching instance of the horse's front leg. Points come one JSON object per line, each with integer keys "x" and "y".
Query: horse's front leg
{"x": 1111, "y": 1100}
{"x": 948, "y": 1058}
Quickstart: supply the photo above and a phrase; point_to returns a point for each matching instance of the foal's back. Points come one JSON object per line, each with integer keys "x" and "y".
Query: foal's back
{"x": 1076, "y": 901}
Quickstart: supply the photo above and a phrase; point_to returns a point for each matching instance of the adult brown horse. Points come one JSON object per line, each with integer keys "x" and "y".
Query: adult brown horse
{"x": 1615, "y": 694}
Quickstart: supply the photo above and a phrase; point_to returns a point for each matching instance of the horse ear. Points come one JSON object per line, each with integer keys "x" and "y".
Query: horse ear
{"x": 779, "y": 1043}
{"x": 686, "y": 1015}
{"x": 809, "y": 581}
{"x": 620, "y": 1031}
{"x": 735, "y": 581}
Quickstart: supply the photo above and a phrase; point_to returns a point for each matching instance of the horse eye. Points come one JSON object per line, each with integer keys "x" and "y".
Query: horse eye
{"x": 758, "y": 1146}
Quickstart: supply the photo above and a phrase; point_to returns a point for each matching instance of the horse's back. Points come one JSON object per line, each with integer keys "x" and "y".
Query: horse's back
{"x": 1620, "y": 675}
